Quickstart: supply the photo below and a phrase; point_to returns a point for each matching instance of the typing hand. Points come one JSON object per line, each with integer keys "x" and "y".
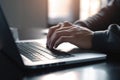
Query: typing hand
{"x": 67, "y": 32}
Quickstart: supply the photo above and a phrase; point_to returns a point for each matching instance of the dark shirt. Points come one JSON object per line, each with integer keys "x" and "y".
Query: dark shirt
{"x": 106, "y": 26}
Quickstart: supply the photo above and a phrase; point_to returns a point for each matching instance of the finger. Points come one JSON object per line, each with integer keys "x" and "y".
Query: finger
{"x": 57, "y": 35}
{"x": 67, "y": 24}
{"x": 52, "y": 29}
{"x": 63, "y": 39}
{"x": 63, "y": 28}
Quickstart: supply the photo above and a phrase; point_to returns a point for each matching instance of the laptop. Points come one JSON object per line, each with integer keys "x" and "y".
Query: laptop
{"x": 32, "y": 55}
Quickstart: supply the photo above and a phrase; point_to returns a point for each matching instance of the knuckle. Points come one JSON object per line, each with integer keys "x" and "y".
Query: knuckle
{"x": 66, "y": 22}
{"x": 51, "y": 28}
{"x": 54, "y": 28}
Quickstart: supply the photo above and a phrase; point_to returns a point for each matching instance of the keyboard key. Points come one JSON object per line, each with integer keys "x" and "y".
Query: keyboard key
{"x": 35, "y": 52}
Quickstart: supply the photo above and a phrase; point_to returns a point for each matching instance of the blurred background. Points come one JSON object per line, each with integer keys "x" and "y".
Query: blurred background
{"x": 30, "y": 17}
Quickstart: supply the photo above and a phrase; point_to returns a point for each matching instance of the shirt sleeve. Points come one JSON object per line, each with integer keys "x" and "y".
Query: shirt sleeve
{"x": 106, "y": 37}
{"x": 107, "y": 40}
{"x": 106, "y": 16}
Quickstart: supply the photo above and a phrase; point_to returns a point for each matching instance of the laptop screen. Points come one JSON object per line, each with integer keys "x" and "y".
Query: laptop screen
{"x": 7, "y": 44}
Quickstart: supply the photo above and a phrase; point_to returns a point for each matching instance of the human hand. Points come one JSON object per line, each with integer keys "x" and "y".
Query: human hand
{"x": 67, "y": 32}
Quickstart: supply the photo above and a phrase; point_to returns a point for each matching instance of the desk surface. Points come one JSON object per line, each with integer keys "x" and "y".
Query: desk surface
{"x": 95, "y": 71}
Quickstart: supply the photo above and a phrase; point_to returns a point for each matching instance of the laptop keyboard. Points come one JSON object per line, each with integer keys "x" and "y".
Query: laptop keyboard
{"x": 35, "y": 52}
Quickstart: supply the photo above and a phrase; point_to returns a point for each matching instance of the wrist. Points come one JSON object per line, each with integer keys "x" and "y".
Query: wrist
{"x": 90, "y": 38}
